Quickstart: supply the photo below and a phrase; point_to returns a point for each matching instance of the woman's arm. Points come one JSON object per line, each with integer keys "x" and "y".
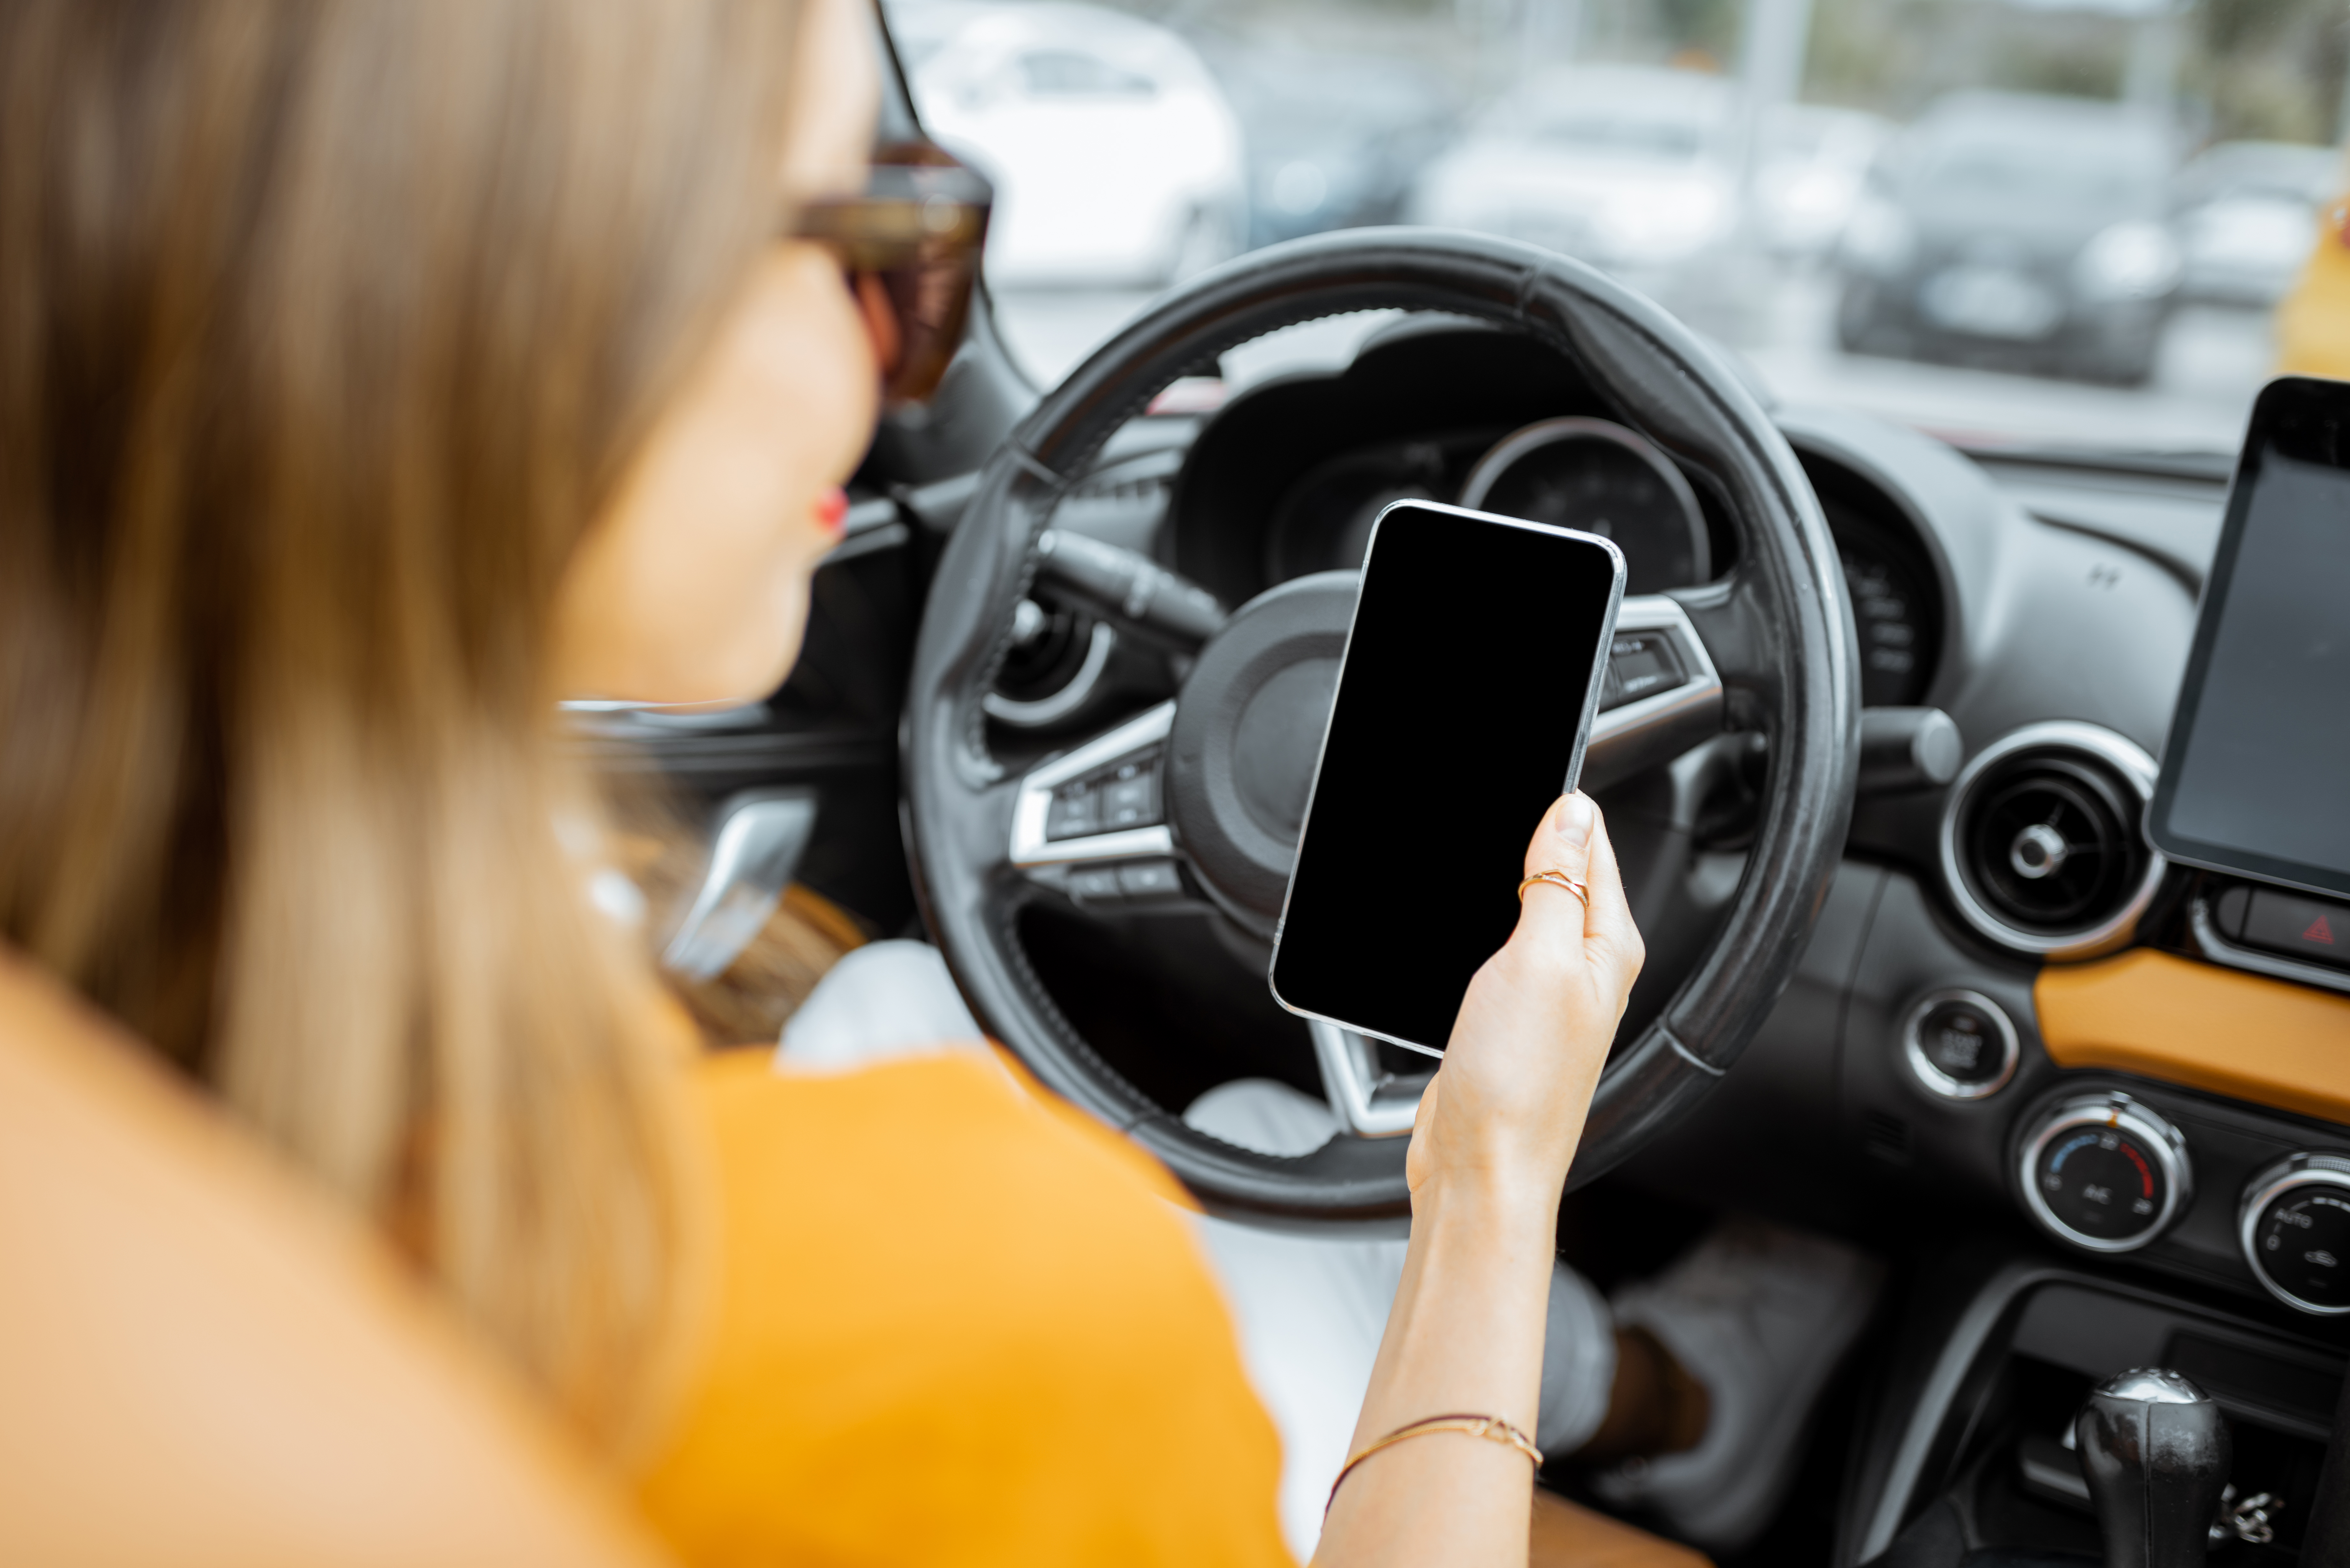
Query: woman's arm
{"x": 1490, "y": 1152}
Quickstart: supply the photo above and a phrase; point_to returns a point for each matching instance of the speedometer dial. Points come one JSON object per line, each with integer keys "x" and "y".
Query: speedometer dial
{"x": 1600, "y": 477}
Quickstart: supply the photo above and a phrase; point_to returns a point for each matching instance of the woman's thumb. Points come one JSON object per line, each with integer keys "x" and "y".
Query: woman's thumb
{"x": 1561, "y": 848}
{"x": 1563, "y": 842}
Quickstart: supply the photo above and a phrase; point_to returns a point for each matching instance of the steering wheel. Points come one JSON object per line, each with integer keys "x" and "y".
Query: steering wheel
{"x": 1776, "y": 633}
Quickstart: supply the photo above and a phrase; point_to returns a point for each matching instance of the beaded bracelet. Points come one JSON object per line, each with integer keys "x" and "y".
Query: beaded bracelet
{"x": 1491, "y": 1427}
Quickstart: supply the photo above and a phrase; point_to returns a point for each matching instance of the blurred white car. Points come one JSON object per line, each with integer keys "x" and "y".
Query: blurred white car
{"x": 1116, "y": 158}
{"x": 2247, "y": 216}
{"x": 1628, "y": 168}
{"x": 1813, "y": 168}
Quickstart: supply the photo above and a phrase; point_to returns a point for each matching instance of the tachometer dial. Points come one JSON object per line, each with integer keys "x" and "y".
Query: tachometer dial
{"x": 1888, "y": 611}
{"x": 1896, "y": 600}
{"x": 1598, "y": 476}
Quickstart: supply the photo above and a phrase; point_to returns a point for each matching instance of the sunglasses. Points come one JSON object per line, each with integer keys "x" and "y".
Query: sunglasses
{"x": 911, "y": 246}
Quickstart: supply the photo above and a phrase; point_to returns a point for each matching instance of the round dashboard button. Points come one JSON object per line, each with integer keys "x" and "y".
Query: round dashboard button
{"x": 1960, "y": 1044}
{"x": 2295, "y": 1230}
{"x": 2105, "y": 1173}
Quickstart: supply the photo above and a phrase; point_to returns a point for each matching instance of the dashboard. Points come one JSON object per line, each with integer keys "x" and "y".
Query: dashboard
{"x": 1951, "y": 1052}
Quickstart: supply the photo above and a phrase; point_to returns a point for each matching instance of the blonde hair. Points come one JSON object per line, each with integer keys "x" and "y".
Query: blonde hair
{"x": 326, "y": 327}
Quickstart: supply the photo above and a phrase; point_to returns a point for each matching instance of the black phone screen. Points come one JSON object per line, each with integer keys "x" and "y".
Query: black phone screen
{"x": 1464, "y": 700}
{"x": 2256, "y": 770}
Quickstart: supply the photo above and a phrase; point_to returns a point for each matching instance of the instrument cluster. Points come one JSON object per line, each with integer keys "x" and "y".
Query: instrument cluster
{"x": 1575, "y": 472}
{"x": 1604, "y": 478}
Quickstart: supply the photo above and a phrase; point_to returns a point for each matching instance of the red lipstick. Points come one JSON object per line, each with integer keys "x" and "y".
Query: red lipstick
{"x": 831, "y": 511}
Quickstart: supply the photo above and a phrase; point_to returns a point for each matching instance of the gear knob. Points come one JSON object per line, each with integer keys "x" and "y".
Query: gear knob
{"x": 2156, "y": 1452}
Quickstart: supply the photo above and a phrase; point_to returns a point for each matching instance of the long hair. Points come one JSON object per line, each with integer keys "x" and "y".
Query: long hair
{"x": 327, "y": 329}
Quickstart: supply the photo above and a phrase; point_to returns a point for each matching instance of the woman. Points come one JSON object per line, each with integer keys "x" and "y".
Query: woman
{"x": 372, "y": 374}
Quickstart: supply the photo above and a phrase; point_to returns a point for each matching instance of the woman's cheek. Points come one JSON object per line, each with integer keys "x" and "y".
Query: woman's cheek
{"x": 811, "y": 400}
{"x": 694, "y": 586}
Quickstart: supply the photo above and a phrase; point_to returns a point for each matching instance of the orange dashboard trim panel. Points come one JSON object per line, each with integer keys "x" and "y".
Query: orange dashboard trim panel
{"x": 2267, "y": 1041}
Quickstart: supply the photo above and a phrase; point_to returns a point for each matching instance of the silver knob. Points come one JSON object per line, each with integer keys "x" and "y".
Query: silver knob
{"x": 2104, "y": 1172}
{"x": 2294, "y": 1225}
{"x": 2154, "y": 1386}
{"x": 2038, "y": 851}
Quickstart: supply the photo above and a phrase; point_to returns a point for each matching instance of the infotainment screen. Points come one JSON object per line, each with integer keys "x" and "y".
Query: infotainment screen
{"x": 2256, "y": 770}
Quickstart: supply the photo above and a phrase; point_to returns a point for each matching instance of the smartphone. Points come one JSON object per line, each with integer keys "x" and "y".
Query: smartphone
{"x": 1465, "y": 696}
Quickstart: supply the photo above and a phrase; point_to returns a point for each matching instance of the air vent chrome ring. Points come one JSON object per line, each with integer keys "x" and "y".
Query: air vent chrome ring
{"x": 2078, "y": 755}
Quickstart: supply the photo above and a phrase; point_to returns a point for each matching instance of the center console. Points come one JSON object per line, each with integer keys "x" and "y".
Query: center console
{"x": 1976, "y": 1452}
{"x": 2161, "y": 1390}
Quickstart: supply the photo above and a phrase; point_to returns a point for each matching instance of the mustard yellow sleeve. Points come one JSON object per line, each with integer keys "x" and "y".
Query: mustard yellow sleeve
{"x": 957, "y": 1326}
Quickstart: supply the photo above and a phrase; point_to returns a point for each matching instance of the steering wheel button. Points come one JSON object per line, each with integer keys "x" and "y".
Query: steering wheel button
{"x": 1130, "y": 802}
{"x": 1150, "y": 880}
{"x": 1073, "y": 815}
{"x": 1095, "y": 882}
{"x": 1639, "y": 664}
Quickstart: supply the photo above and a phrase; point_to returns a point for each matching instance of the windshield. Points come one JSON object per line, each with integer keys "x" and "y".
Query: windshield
{"x": 2094, "y": 226}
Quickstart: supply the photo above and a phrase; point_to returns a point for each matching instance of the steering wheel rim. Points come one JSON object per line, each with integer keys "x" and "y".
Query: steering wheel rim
{"x": 1778, "y": 627}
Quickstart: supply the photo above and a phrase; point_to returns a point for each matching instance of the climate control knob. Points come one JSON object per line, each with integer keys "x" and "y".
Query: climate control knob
{"x": 2295, "y": 1226}
{"x": 2104, "y": 1172}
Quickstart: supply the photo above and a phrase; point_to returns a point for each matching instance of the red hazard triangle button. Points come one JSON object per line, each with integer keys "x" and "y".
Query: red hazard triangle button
{"x": 2319, "y": 931}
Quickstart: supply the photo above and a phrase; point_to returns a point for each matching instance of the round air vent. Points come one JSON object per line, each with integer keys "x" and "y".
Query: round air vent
{"x": 2042, "y": 843}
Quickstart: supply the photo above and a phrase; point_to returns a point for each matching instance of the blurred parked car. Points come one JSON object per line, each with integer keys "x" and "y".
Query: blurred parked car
{"x": 1815, "y": 165}
{"x": 1116, "y": 158}
{"x": 1334, "y": 139}
{"x": 1628, "y": 167}
{"x": 2248, "y": 215}
{"x": 2020, "y": 230}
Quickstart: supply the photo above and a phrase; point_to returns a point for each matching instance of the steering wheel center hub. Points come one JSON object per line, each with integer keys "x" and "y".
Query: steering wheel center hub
{"x": 1273, "y": 759}
{"x": 1248, "y": 729}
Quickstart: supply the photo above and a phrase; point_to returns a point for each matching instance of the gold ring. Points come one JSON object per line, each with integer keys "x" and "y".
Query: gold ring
{"x": 1557, "y": 880}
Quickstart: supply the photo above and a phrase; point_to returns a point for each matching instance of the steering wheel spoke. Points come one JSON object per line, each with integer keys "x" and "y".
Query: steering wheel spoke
{"x": 1367, "y": 1100}
{"x": 1734, "y": 622}
{"x": 1662, "y": 694}
{"x": 1092, "y": 823}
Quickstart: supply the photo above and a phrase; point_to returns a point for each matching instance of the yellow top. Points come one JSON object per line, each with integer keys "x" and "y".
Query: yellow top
{"x": 960, "y": 1324}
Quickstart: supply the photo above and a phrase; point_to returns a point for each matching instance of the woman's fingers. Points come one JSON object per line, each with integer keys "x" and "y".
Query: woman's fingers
{"x": 1608, "y": 928}
{"x": 1552, "y": 916}
{"x": 1573, "y": 840}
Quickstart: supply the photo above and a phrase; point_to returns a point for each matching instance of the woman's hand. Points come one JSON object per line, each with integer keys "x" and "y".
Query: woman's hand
{"x": 1497, "y": 1129}
{"x": 1506, "y": 1110}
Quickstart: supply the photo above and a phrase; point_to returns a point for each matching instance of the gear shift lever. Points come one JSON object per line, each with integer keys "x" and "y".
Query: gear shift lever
{"x": 2156, "y": 1453}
